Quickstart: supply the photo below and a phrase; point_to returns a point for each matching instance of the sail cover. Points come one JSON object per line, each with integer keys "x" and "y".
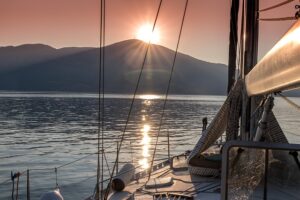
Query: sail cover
{"x": 280, "y": 68}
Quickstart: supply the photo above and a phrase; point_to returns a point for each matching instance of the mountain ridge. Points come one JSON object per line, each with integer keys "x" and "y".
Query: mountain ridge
{"x": 38, "y": 67}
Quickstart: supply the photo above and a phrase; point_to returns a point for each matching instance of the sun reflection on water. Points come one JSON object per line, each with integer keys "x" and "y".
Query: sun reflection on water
{"x": 145, "y": 130}
{"x": 149, "y": 96}
{"x": 145, "y": 146}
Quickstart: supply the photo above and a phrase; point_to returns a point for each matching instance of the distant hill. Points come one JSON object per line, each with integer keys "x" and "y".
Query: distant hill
{"x": 37, "y": 67}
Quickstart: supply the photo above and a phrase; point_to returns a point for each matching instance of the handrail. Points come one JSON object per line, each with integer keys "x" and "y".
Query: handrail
{"x": 250, "y": 145}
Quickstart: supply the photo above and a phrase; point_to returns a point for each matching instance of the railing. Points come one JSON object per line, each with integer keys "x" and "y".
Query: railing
{"x": 256, "y": 170}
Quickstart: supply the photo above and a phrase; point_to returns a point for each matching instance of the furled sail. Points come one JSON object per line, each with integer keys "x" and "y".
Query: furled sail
{"x": 280, "y": 68}
{"x": 219, "y": 124}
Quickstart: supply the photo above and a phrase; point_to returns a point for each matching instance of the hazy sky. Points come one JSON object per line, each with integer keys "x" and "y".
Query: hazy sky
{"x": 64, "y": 23}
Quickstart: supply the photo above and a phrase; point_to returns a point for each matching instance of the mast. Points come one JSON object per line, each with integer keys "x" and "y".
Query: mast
{"x": 250, "y": 59}
{"x": 233, "y": 38}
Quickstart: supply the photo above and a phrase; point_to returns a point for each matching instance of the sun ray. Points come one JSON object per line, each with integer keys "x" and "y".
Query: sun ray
{"x": 146, "y": 34}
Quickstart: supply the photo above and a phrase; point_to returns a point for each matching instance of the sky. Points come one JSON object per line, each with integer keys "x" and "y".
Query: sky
{"x": 75, "y": 23}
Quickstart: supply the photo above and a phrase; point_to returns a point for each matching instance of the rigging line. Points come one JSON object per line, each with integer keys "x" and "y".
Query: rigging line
{"x": 168, "y": 87}
{"x": 132, "y": 102}
{"x": 276, "y": 6}
{"x": 278, "y": 19}
{"x": 106, "y": 166}
{"x": 79, "y": 182}
{"x": 260, "y": 105}
{"x": 240, "y": 41}
{"x": 295, "y": 134}
{"x": 241, "y": 57}
{"x": 238, "y": 44}
{"x": 7, "y": 180}
{"x": 69, "y": 163}
{"x": 233, "y": 37}
{"x": 293, "y": 104}
{"x": 74, "y": 161}
{"x": 61, "y": 166}
{"x": 139, "y": 166}
{"x": 103, "y": 92}
{"x": 101, "y": 48}
{"x": 232, "y": 25}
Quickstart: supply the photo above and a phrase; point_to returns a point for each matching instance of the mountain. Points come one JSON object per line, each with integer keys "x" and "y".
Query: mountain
{"x": 38, "y": 67}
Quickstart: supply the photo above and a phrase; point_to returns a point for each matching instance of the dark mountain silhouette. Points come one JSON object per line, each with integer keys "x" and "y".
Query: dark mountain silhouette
{"x": 37, "y": 67}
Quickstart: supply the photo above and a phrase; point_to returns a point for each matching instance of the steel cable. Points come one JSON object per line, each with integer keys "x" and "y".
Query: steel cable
{"x": 278, "y": 19}
{"x": 169, "y": 86}
{"x": 133, "y": 99}
{"x": 276, "y": 6}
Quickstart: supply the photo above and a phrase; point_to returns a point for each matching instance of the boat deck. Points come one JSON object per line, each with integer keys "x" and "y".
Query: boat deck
{"x": 183, "y": 183}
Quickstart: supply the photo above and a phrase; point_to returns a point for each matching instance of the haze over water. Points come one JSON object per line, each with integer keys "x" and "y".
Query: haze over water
{"x": 44, "y": 131}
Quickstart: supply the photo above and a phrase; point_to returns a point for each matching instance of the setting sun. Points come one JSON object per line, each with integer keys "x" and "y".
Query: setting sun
{"x": 145, "y": 34}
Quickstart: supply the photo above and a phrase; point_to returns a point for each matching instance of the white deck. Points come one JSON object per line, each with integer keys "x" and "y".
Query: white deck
{"x": 183, "y": 183}
{"x": 282, "y": 184}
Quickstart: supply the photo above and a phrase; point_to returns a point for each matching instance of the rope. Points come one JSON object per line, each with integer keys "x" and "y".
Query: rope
{"x": 276, "y": 6}
{"x": 132, "y": 102}
{"x": 168, "y": 87}
{"x": 278, "y": 19}
{"x": 290, "y": 102}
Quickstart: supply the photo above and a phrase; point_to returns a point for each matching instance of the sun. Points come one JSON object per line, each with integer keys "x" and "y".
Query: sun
{"x": 145, "y": 34}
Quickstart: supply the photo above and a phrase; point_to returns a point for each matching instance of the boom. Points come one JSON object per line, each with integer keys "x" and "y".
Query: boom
{"x": 280, "y": 68}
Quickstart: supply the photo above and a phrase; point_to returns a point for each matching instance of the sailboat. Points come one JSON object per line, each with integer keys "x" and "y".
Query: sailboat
{"x": 256, "y": 161}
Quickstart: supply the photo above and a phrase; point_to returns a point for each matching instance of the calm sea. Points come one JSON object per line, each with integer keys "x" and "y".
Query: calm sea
{"x": 42, "y": 131}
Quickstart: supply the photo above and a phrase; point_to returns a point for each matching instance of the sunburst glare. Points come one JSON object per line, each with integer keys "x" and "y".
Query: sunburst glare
{"x": 146, "y": 34}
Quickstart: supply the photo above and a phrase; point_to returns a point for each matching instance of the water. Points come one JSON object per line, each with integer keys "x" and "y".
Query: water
{"x": 44, "y": 131}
